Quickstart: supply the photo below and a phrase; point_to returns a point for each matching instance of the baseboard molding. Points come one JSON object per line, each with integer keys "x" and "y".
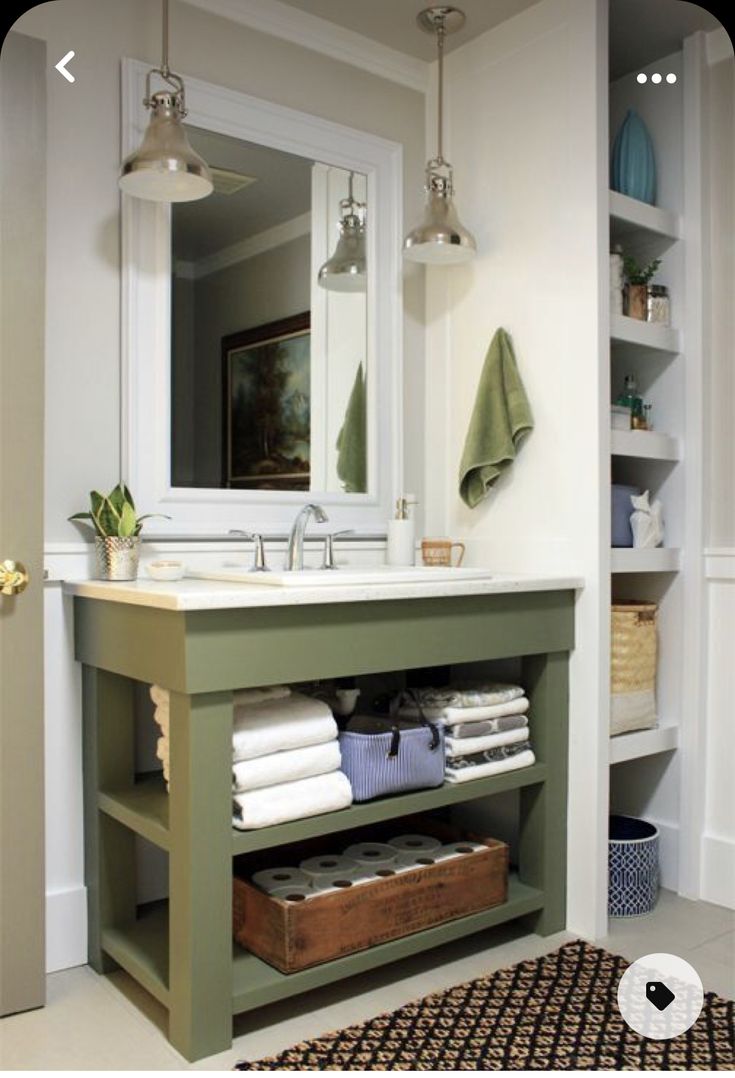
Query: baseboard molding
{"x": 66, "y": 929}
{"x": 718, "y": 870}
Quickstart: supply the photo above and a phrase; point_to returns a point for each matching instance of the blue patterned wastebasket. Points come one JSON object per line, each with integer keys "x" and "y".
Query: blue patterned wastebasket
{"x": 633, "y": 867}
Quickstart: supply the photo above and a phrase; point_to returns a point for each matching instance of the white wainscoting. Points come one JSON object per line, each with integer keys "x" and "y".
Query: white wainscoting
{"x": 718, "y": 840}
{"x": 66, "y": 899}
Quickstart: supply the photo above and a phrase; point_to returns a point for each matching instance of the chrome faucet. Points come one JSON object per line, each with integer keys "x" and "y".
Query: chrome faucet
{"x": 295, "y": 552}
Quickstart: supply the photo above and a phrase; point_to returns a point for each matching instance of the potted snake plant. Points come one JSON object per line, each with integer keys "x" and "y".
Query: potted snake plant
{"x": 117, "y": 528}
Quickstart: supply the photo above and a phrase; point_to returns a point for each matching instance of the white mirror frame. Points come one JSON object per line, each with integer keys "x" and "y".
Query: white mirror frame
{"x": 146, "y": 321}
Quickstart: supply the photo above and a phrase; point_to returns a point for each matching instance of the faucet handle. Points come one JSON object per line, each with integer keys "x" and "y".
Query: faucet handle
{"x": 329, "y": 562}
{"x": 259, "y": 563}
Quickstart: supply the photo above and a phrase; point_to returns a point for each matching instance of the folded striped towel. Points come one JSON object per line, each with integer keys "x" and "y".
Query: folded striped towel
{"x": 469, "y": 746}
{"x": 288, "y": 766}
{"x": 483, "y": 695}
{"x": 450, "y": 716}
{"x": 524, "y": 758}
{"x": 483, "y": 727}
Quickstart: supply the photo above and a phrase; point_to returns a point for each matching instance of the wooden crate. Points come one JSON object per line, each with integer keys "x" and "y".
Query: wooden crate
{"x": 295, "y": 935}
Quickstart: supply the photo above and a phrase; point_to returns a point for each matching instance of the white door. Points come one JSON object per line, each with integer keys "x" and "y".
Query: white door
{"x": 22, "y": 274}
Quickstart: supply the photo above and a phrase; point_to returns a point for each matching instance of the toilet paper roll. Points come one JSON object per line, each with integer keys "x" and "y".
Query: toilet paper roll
{"x": 334, "y": 865}
{"x": 410, "y": 862}
{"x": 275, "y": 879}
{"x": 410, "y": 846}
{"x": 325, "y": 885}
{"x": 375, "y": 854}
{"x": 457, "y": 849}
{"x": 292, "y": 894}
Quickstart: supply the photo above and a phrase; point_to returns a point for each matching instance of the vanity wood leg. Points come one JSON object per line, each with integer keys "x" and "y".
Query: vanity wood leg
{"x": 109, "y": 848}
{"x": 543, "y": 810}
{"x": 200, "y": 874}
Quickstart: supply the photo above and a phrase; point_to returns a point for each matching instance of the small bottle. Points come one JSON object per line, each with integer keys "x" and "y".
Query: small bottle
{"x": 401, "y": 546}
{"x": 629, "y": 397}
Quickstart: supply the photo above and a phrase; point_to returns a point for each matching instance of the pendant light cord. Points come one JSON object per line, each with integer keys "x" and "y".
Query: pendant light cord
{"x": 165, "y": 71}
{"x": 440, "y": 35}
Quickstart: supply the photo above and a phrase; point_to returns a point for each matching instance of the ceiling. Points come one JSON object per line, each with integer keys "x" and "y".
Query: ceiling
{"x": 640, "y": 30}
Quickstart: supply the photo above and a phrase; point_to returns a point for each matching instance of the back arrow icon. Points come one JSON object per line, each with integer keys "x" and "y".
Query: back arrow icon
{"x": 61, "y": 66}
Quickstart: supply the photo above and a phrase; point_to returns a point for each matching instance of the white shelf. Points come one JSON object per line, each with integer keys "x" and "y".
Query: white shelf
{"x": 646, "y": 335}
{"x": 628, "y": 215}
{"x": 657, "y": 560}
{"x": 644, "y": 444}
{"x": 643, "y": 743}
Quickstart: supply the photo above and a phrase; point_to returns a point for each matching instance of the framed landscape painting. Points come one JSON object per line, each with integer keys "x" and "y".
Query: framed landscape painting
{"x": 267, "y": 406}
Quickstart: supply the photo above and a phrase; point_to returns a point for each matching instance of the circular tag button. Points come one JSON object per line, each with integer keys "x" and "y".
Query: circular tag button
{"x": 660, "y": 996}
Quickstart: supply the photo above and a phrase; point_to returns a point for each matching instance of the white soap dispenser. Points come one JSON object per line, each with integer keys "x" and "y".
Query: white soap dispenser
{"x": 401, "y": 547}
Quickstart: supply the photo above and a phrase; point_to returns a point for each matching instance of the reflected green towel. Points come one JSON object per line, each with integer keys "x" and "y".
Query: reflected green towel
{"x": 352, "y": 440}
{"x": 500, "y": 420}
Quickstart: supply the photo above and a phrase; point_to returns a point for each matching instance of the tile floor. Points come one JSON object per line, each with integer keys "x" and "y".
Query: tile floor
{"x": 100, "y": 1023}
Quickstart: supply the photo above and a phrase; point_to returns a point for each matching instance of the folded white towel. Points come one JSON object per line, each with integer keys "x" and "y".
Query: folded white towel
{"x": 162, "y": 749}
{"x": 286, "y": 766}
{"x": 161, "y": 716}
{"x": 482, "y": 771}
{"x": 246, "y": 697}
{"x": 450, "y": 716}
{"x": 292, "y": 722}
{"x": 466, "y": 746}
{"x": 291, "y": 801}
{"x": 159, "y": 696}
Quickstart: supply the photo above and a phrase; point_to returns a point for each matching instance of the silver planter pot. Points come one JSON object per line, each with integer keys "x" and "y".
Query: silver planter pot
{"x": 117, "y": 559}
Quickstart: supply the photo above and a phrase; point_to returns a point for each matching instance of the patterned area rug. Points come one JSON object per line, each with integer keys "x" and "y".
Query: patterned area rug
{"x": 558, "y": 1012}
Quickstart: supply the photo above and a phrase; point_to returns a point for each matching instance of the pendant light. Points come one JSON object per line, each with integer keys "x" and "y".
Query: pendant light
{"x": 165, "y": 168}
{"x": 440, "y": 238}
{"x": 346, "y": 270}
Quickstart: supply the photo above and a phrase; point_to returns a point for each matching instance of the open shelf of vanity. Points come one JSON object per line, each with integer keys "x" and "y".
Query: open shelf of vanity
{"x": 181, "y": 950}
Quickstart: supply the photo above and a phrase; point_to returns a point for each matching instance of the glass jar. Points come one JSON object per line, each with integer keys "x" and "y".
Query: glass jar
{"x": 658, "y": 305}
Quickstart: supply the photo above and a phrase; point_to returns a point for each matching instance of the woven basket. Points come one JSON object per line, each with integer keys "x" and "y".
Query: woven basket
{"x": 633, "y": 654}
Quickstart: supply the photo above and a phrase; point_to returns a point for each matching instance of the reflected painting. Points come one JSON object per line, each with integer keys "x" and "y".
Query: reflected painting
{"x": 267, "y": 406}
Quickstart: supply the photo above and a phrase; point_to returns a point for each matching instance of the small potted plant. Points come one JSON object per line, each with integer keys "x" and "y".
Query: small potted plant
{"x": 116, "y": 532}
{"x": 636, "y": 288}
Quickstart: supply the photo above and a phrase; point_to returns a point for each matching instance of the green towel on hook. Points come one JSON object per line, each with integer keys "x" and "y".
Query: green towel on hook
{"x": 352, "y": 440}
{"x": 500, "y": 420}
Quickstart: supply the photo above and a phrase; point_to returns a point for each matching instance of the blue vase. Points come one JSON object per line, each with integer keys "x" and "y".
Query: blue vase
{"x": 633, "y": 165}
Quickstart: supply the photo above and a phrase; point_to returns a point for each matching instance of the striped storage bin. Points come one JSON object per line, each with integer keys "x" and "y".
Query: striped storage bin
{"x": 632, "y": 867}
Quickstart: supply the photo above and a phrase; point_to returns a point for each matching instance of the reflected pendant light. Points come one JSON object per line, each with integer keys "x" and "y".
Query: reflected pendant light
{"x": 165, "y": 168}
{"x": 440, "y": 238}
{"x": 346, "y": 270}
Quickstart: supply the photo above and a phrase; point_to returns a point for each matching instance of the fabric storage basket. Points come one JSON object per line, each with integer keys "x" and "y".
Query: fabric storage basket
{"x": 398, "y": 756}
{"x": 633, "y": 653}
{"x": 632, "y": 867}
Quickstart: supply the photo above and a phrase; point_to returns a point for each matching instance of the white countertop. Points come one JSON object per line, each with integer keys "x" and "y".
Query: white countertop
{"x": 214, "y": 595}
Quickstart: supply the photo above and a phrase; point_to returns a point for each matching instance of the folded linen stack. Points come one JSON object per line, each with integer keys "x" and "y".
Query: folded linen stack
{"x": 486, "y": 728}
{"x": 286, "y": 759}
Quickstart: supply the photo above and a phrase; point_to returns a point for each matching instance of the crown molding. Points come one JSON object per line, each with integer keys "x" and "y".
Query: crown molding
{"x": 311, "y": 32}
{"x": 247, "y": 248}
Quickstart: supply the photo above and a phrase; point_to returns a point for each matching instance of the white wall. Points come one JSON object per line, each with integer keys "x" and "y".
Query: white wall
{"x": 83, "y": 302}
{"x": 528, "y": 151}
{"x": 718, "y": 843}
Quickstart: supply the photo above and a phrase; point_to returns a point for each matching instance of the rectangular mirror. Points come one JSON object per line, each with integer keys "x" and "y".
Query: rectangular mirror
{"x": 262, "y": 325}
{"x": 269, "y": 324}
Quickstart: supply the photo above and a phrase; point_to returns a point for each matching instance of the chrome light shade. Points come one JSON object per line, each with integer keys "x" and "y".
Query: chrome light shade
{"x": 440, "y": 238}
{"x": 165, "y": 168}
{"x": 346, "y": 270}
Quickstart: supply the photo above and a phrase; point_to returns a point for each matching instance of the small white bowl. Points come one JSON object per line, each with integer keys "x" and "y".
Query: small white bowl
{"x": 166, "y": 570}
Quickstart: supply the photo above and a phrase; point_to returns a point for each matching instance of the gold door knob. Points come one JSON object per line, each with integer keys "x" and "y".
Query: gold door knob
{"x": 13, "y": 577}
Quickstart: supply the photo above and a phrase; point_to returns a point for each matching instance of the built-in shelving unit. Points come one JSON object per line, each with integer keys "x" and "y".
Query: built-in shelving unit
{"x": 650, "y": 772}
{"x": 656, "y": 560}
{"x": 641, "y": 743}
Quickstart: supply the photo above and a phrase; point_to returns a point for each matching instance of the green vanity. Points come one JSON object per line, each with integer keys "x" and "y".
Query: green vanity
{"x": 201, "y": 640}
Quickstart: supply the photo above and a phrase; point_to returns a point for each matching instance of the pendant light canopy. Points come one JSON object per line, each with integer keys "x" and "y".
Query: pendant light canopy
{"x": 346, "y": 270}
{"x": 440, "y": 238}
{"x": 165, "y": 168}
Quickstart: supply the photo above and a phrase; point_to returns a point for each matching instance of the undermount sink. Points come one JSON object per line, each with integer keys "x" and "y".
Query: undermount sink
{"x": 237, "y": 572}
